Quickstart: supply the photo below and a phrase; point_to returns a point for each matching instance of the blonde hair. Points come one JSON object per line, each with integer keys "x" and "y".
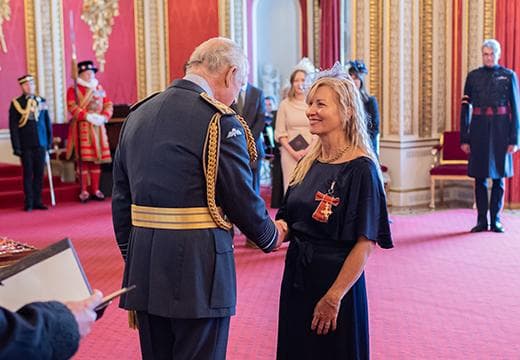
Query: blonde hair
{"x": 347, "y": 97}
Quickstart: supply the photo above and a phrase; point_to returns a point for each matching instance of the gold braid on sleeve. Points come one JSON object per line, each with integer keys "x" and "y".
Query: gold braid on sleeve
{"x": 250, "y": 140}
{"x": 211, "y": 156}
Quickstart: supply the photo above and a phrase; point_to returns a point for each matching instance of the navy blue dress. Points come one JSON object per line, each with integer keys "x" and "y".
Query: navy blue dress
{"x": 317, "y": 252}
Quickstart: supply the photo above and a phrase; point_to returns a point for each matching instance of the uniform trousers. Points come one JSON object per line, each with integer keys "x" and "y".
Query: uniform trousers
{"x": 33, "y": 161}
{"x": 494, "y": 204}
{"x": 182, "y": 339}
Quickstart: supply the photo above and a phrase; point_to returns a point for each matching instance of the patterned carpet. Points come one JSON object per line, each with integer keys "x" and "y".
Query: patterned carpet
{"x": 441, "y": 293}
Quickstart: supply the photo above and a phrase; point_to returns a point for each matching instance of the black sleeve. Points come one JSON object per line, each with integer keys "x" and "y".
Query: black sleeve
{"x": 42, "y": 330}
{"x": 121, "y": 198}
{"x": 465, "y": 113}
{"x": 515, "y": 116}
{"x": 48, "y": 127}
{"x": 235, "y": 192}
{"x": 372, "y": 216}
{"x": 373, "y": 112}
{"x": 259, "y": 121}
{"x": 14, "y": 130}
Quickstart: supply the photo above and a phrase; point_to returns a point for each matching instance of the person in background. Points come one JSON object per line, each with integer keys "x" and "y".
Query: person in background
{"x": 182, "y": 177}
{"x": 31, "y": 137}
{"x": 250, "y": 105}
{"x": 46, "y": 330}
{"x": 292, "y": 124}
{"x": 90, "y": 108}
{"x": 335, "y": 212}
{"x": 274, "y": 150}
{"x": 358, "y": 71}
{"x": 489, "y": 123}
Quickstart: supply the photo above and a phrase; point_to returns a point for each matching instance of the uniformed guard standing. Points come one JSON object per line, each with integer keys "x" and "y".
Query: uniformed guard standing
{"x": 181, "y": 178}
{"x": 489, "y": 131}
{"x": 90, "y": 108}
{"x": 31, "y": 137}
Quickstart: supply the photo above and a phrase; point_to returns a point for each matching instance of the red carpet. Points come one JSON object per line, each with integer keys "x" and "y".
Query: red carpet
{"x": 442, "y": 293}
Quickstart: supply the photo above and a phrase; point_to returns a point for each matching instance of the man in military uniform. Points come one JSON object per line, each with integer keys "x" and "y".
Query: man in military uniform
{"x": 31, "y": 137}
{"x": 489, "y": 131}
{"x": 181, "y": 178}
{"x": 90, "y": 108}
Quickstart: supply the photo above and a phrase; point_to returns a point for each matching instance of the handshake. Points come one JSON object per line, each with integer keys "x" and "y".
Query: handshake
{"x": 282, "y": 228}
{"x": 96, "y": 119}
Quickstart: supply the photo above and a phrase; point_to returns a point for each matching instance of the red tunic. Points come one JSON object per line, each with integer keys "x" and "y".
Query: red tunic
{"x": 93, "y": 139}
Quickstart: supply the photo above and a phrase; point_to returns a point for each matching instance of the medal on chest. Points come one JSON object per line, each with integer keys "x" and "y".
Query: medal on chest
{"x": 327, "y": 201}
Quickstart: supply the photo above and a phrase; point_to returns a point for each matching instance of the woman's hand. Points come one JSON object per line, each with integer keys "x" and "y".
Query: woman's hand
{"x": 325, "y": 314}
{"x": 297, "y": 155}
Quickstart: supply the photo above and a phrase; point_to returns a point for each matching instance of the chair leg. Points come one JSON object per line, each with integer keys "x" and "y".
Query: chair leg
{"x": 432, "y": 192}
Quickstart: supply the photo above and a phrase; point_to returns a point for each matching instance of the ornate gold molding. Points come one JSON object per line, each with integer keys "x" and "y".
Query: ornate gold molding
{"x": 316, "y": 22}
{"x": 140, "y": 53}
{"x": 426, "y": 66}
{"x": 489, "y": 18}
{"x": 152, "y": 46}
{"x": 376, "y": 45}
{"x": 5, "y": 14}
{"x": 99, "y": 16}
{"x": 30, "y": 38}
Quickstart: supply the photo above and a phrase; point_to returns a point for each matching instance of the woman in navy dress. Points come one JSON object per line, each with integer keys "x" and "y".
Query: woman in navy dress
{"x": 335, "y": 213}
{"x": 357, "y": 70}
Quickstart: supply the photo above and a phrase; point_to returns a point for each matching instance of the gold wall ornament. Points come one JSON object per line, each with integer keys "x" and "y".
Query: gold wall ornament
{"x": 5, "y": 14}
{"x": 99, "y": 16}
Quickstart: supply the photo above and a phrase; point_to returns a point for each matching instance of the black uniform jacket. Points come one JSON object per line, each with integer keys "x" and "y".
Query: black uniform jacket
{"x": 41, "y": 330}
{"x": 490, "y": 129}
{"x": 183, "y": 273}
{"x": 34, "y": 133}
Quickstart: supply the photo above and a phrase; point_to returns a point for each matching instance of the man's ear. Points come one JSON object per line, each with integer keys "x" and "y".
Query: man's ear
{"x": 230, "y": 75}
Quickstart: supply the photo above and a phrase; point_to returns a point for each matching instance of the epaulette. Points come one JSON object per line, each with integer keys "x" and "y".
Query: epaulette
{"x": 142, "y": 101}
{"x": 222, "y": 108}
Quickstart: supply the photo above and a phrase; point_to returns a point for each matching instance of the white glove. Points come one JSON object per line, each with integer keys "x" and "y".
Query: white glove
{"x": 96, "y": 119}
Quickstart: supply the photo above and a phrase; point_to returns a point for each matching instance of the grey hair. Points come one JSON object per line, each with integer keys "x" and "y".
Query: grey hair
{"x": 493, "y": 45}
{"x": 216, "y": 54}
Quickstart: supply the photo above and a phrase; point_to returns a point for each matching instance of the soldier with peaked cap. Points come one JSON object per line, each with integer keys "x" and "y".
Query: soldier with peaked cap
{"x": 182, "y": 176}
{"x": 90, "y": 108}
{"x": 31, "y": 136}
{"x": 489, "y": 131}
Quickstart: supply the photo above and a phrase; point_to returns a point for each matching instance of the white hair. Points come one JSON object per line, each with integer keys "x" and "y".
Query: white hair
{"x": 216, "y": 54}
{"x": 493, "y": 45}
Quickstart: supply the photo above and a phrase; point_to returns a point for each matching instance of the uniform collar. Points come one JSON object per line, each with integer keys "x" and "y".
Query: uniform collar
{"x": 200, "y": 81}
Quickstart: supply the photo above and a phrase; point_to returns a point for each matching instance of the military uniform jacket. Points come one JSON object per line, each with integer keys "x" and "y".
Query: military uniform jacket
{"x": 159, "y": 163}
{"x": 36, "y": 132}
{"x": 488, "y": 130}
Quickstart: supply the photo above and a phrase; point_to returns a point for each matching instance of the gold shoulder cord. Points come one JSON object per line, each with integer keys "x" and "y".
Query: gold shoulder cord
{"x": 32, "y": 105}
{"x": 211, "y": 158}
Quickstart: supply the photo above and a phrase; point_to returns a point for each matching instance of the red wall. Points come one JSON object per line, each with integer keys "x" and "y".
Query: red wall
{"x": 13, "y": 64}
{"x": 119, "y": 76}
{"x": 190, "y": 23}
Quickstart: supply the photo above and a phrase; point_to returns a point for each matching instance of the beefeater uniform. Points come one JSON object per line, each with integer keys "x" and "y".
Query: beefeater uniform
{"x": 93, "y": 140}
{"x": 489, "y": 124}
{"x": 181, "y": 176}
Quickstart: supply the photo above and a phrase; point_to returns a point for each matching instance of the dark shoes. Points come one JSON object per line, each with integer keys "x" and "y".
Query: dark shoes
{"x": 27, "y": 208}
{"x": 41, "y": 207}
{"x": 497, "y": 227}
{"x": 479, "y": 228}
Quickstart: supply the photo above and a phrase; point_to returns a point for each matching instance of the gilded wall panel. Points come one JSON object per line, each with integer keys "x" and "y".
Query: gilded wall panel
{"x": 151, "y": 29}
{"x": 376, "y": 45}
{"x": 475, "y": 33}
{"x": 45, "y": 54}
{"x": 489, "y": 19}
{"x": 394, "y": 60}
{"x": 407, "y": 64}
{"x": 426, "y": 68}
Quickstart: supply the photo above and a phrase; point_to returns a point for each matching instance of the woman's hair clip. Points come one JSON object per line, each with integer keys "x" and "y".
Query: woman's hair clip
{"x": 358, "y": 66}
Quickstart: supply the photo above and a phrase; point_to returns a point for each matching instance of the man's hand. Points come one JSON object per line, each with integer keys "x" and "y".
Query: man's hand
{"x": 282, "y": 227}
{"x": 84, "y": 312}
{"x": 511, "y": 149}
{"x": 466, "y": 148}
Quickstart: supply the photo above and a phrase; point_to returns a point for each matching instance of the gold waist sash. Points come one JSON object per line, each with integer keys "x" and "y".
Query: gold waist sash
{"x": 172, "y": 218}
